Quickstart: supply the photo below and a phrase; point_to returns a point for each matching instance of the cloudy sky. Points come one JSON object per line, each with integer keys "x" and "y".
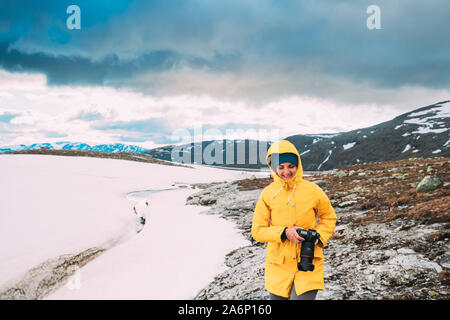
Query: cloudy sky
{"x": 140, "y": 72}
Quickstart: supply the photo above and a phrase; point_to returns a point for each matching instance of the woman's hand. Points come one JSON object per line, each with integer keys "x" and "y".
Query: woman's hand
{"x": 292, "y": 235}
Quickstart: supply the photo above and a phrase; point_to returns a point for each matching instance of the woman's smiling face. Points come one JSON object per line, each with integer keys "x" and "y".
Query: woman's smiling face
{"x": 286, "y": 170}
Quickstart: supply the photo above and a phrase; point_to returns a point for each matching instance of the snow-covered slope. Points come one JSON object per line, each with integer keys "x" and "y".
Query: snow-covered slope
{"x": 177, "y": 253}
{"x": 54, "y": 205}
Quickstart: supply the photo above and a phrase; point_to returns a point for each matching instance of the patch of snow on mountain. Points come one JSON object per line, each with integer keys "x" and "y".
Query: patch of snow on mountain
{"x": 348, "y": 145}
{"x": 408, "y": 146}
{"x": 328, "y": 157}
{"x": 429, "y": 120}
{"x": 428, "y": 129}
{"x": 305, "y": 152}
{"x": 447, "y": 143}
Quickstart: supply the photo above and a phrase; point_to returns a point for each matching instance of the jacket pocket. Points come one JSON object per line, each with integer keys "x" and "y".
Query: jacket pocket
{"x": 276, "y": 259}
{"x": 274, "y": 253}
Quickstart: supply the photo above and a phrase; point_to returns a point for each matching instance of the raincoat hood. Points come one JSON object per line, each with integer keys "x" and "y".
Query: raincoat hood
{"x": 284, "y": 146}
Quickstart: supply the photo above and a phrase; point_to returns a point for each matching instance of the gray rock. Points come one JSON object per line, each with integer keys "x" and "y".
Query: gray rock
{"x": 341, "y": 174}
{"x": 48, "y": 276}
{"x": 207, "y": 201}
{"x": 429, "y": 183}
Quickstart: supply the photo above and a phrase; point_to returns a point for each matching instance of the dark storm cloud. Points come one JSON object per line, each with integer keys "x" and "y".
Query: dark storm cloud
{"x": 76, "y": 70}
{"x": 133, "y": 43}
{"x": 58, "y": 69}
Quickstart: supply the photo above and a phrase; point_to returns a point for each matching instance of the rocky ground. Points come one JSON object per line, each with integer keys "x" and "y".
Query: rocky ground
{"x": 391, "y": 240}
{"x": 48, "y": 276}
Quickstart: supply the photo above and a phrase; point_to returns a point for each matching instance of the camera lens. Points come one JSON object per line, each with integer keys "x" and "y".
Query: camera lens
{"x": 307, "y": 249}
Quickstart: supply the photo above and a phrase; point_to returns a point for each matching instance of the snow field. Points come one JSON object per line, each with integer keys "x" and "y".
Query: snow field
{"x": 54, "y": 205}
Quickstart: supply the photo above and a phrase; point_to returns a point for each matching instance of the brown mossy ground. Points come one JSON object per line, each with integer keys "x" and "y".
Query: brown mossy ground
{"x": 386, "y": 190}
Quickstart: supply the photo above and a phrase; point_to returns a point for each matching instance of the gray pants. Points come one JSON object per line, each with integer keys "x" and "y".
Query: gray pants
{"x": 308, "y": 295}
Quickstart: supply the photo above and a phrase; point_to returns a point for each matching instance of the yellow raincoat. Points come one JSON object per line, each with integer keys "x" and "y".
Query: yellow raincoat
{"x": 282, "y": 204}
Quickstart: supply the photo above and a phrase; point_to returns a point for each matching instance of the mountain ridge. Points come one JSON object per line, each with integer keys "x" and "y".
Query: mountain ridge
{"x": 422, "y": 132}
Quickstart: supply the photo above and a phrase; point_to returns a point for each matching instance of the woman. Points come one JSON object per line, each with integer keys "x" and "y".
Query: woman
{"x": 287, "y": 204}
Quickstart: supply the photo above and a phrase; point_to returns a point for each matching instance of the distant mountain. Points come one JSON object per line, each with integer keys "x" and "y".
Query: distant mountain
{"x": 423, "y": 132}
{"x": 109, "y": 148}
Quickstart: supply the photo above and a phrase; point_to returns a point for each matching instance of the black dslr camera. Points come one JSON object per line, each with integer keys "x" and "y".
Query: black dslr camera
{"x": 307, "y": 251}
